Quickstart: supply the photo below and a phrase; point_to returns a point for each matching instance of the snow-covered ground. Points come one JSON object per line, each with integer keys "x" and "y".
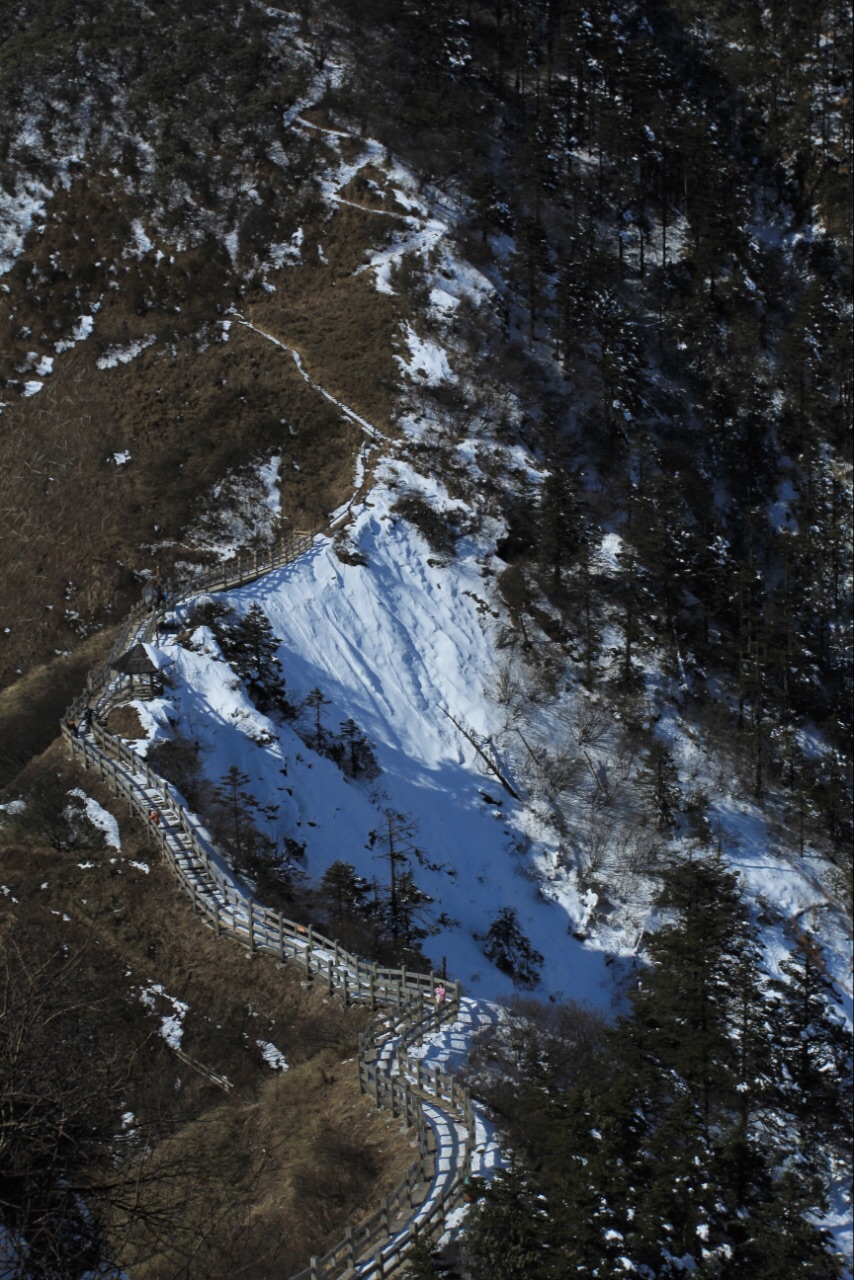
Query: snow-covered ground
{"x": 398, "y": 644}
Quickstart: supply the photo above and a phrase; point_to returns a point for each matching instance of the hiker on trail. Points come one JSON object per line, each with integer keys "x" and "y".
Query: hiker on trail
{"x": 149, "y": 596}
{"x": 85, "y": 725}
{"x": 154, "y": 818}
{"x": 439, "y": 995}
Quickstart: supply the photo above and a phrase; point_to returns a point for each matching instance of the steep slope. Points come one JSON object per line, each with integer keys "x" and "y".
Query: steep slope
{"x": 564, "y": 346}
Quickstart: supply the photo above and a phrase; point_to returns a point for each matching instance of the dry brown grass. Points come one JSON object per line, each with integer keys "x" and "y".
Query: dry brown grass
{"x": 190, "y": 407}
{"x": 31, "y": 709}
{"x": 125, "y": 723}
{"x": 268, "y": 1172}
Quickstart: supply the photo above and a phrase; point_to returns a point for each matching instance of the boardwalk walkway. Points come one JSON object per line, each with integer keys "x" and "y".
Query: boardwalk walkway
{"x": 391, "y": 1066}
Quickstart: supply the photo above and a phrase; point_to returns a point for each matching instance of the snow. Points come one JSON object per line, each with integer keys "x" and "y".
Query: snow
{"x": 272, "y": 1056}
{"x": 245, "y": 507}
{"x": 79, "y": 333}
{"x": 123, "y": 355}
{"x": 171, "y": 1024}
{"x": 287, "y": 253}
{"x": 141, "y": 242}
{"x": 780, "y": 513}
{"x": 397, "y": 646}
{"x": 609, "y": 550}
{"x": 100, "y": 818}
{"x": 32, "y": 388}
{"x": 18, "y": 212}
{"x": 428, "y": 362}
{"x": 157, "y": 657}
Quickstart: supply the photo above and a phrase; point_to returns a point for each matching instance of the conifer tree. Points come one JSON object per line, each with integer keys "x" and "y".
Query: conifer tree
{"x": 813, "y": 1048}
{"x": 236, "y": 813}
{"x": 316, "y": 701}
{"x": 358, "y": 757}
{"x": 661, "y": 782}
{"x": 509, "y": 950}
{"x": 507, "y": 1236}
{"x": 561, "y": 532}
{"x": 395, "y": 839}
{"x": 251, "y": 648}
{"x": 344, "y": 889}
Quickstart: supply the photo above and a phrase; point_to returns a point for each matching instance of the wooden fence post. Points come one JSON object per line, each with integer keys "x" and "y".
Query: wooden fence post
{"x": 281, "y": 937}
{"x": 251, "y": 926}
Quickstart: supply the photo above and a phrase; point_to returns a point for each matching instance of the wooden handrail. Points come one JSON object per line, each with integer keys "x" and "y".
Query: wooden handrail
{"x": 407, "y": 995}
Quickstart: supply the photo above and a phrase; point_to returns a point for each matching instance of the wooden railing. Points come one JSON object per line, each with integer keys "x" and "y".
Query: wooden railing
{"x": 394, "y": 1079}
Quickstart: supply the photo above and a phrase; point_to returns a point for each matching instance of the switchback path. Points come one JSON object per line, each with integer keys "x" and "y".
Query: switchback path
{"x": 407, "y": 1055}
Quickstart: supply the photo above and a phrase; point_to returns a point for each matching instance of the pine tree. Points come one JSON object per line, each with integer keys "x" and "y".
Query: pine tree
{"x": 509, "y": 950}
{"x": 780, "y": 1239}
{"x": 813, "y": 1048}
{"x": 251, "y": 648}
{"x": 561, "y": 532}
{"x": 506, "y": 1239}
{"x": 683, "y": 1000}
{"x": 234, "y": 819}
{"x": 316, "y": 701}
{"x": 344, "y": 889}
{"x": 410, "y": 903}
{"x": 660, "y": 781}
{"x": 396, "y": 841}
{"x": 358, "y": 756}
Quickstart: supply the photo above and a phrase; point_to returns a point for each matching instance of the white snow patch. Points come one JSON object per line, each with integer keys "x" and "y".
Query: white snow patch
{"x": 171, "y": 1024}
{"x": 100, "y": 818}
{"x": 79, "y": 333}
{"x": 609, "y": 552}
{"x": 272, "y": 1056}
{"x": 428, "y": 362}
{"x": 18, "y": 211}
{"x": 123, "y": 355}
{"x": 141, "y": 243}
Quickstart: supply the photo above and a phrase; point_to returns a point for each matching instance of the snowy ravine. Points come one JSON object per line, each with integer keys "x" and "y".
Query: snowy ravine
{"x": 398, "y": 644}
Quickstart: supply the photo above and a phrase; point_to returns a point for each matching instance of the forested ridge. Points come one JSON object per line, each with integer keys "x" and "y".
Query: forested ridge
{"x": 658, "y": 199}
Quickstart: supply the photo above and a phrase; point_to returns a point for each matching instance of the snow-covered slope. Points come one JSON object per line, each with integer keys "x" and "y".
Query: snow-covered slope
{"x": 401, "y": 645}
